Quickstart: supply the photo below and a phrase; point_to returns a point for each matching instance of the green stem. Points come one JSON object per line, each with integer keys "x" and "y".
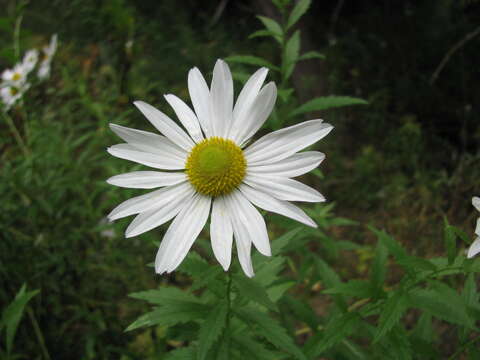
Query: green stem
{"x": 16, "y": 37}
{"x": 16, "y": 134}
{"x": 229, "y": 301}
{"x": 38, "y": 333}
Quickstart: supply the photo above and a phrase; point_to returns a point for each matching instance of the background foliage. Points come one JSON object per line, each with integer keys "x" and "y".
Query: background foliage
{"x": 406, "y": 162}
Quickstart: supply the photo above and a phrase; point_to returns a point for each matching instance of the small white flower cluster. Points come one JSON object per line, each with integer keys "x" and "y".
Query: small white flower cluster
{"x": 14, "y": 82}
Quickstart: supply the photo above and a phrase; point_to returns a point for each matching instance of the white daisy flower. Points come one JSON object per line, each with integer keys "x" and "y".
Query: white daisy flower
{"x": 475, "y": 247}
{"x": 30, "y": 60}
{"x": 214, "y": 171}
{"x": 11, "y": 94}
{"x": 46, "y": 61}
{"x": 15, "y": 77}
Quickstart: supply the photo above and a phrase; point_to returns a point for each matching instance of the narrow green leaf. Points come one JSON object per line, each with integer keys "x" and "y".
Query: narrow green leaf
{"x": 251, "y": 290}
{"x": 12, "y": 314}
{"x": 211, "y": 329}
{"x": 272, "y": 26}
{"x": 392, "y": 311}
{"x": 398, "y": 346}
{"x": 268, "y": 271}
{"x": 357, "y": 288}
{"x": 379, "y": 269}
{"x": 423, "y": 329}
{"x": 206, "y": 277}
{"x": 470, "y": 293}
{"x": 292, "y": 50}
{"x": 337, "y": 329}
{"x": 327, "y": 102}
{"x": 271, "y": 330}
{"x": 171, "y": 314}
{"x": 261, "y": 33}
{"x": 164, "y": 295}
{"x": 416, "y": 263}
{"x": 276, "y": 291}
{"x": 311, "y": 55}
{"x": 300, "y": 8}
{"x": 251, "y": 60}
{"x": 330, "y": 279}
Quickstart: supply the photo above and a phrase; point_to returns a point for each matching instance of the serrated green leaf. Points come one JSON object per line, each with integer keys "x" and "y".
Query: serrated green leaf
{"x": 292, "y": 50}
{"x": 276, "y": 291}
{"x": 392, "y": 311}
{"x": 327, "y": 102}
{"x": 187, "y": 353}
{"x": 424, "y": 329}
{"x": 211, "y": 329}
{"x": 171, "y": 314}
{"x": 12, "y": 314}
{"x": 357, "y": 288}
{"x": 251, "y": 60}
{"x": 164, "y": 295}
{"x": 390, "y": 243}
{"x": 279, "y": 243}
{"x": 300, "y": 8}
{"x": 438, "y": 303}
{"x": 330, "y": 279}
{"x": 272, "y": 26}
{"x": 270, "y": 330}
{"x": 301, "y": 311}
{"x": 311, "y": 55}
{"x": 206, "y": 277}
{"x": 251, "y": 348}
{"x": 251, "y": 290}
{"x": 337, "y": 329}
{"x": 379, "y": 268}
{"x": 268, "y": 271}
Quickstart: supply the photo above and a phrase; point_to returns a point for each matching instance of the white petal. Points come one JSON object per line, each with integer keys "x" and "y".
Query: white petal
{"x": 186, "y": 116}
{"x": 282, "y": 143}
{"x": 149, "y": 142}
{"x": 257, "y": 114}
{"x": 200, "y": 97}
{"x": 246, "y": 98}
{"x": 269, "y": 203}
{"x": 243, "y": 244}
{"x": 154, "y": 199}
{"x": 129, "y": 152}
{"x": 474, "y": 248}
{"x": 165, "y": 125}
{"x": 157, "y": 216}
{"x": 181, "y": 234}
{"x": 221, "y": 94}
{"x": 295, "y": 165}
{"x": 476, "y": 202}
{"x": 477, "y": 228}
{"x": 147, "y": 179}
{"x": 221, "y": 233}
{"x": 246, "y": 213}
{"x": 284, "y": 188}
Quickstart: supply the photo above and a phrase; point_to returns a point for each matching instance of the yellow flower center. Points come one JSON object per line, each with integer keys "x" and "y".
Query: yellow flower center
{"x": 216, "y": 166}
{"x": 17, "y": 76}
{"x": 13, "y": 91}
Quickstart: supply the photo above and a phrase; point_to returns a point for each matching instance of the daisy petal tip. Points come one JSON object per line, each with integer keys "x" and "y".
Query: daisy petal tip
{"x": 474, "y": 249}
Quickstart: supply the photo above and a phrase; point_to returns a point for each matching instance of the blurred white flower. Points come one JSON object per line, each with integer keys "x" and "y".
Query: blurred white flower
{"x": 30, "y": 60}
{"x": 216, "y": 172}
{"x": 475, "y": 247}
{"x": 15, "y": 77}
{"x": 46, "y": 61}
{"x": 11, "y": 94}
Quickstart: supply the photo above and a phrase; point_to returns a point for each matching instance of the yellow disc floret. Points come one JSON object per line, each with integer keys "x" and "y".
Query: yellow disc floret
{"x": 216, "y": 166}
